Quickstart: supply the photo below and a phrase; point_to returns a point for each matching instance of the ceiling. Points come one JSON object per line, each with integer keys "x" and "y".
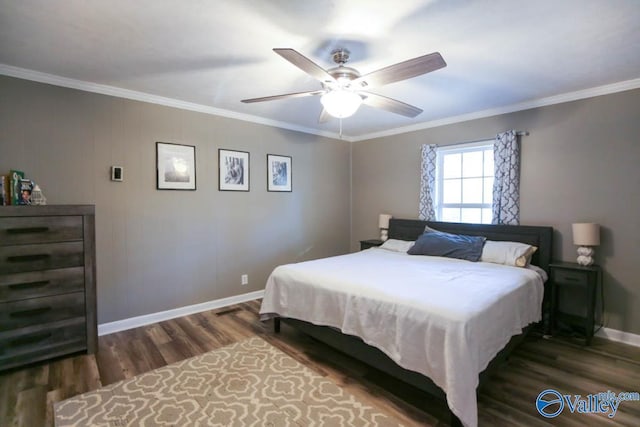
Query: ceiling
{"x": 502, "y": 55}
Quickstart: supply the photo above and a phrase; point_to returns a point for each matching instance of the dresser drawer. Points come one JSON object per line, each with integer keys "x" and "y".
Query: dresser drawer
{"x": 20, "y": 286}
{"x": 21, "y": 258}
{"x": 15, "y": 315}
{"x": 42, "y": 229}
{"x": 41, "y": 342}
{"x": 570, "y": 277}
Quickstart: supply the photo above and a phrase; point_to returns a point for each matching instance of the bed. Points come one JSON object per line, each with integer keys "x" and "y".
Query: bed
{"x": 439, "y": 324}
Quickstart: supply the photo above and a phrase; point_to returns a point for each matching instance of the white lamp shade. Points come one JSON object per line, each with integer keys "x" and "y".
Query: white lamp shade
{"x": 341, "y": 103}
{"x": 383, "y": 221}
{"x": 586, "y": 234}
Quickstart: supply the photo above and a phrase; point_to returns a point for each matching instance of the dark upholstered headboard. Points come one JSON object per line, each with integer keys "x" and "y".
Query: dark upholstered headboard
{"x": 411, "y": 229}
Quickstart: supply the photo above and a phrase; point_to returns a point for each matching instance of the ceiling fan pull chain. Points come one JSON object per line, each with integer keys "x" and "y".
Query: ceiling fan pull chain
{"x": 340, "y": 127}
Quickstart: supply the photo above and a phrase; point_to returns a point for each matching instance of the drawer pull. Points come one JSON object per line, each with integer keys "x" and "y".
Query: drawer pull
{"x": 571, "y": 279}
{"x": 30, "y": 339}
{"x": 29, "y": 285}
{"x": 27, "y": 230}
{"x": 32, "y": 312}
{"x": 28, "y": 258}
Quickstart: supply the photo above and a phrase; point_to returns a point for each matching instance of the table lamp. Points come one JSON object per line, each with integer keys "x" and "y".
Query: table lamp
{"x": 383, "y": 224}
{"x": 586, "y": 235}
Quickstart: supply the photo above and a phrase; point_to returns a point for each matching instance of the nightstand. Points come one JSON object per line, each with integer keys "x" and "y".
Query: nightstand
{"x": 576, "y": 280}
{"x": 371, "y": 243}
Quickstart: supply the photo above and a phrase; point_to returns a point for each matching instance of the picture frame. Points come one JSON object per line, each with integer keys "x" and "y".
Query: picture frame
{"x": 279, "y": 173}
{"x": 175, "y": 166}
{"x": 233, "y": 170}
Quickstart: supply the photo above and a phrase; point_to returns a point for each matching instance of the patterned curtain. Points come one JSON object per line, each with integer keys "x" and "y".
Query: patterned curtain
{"x": 506, "y": 185}
{"x": 426, "y": 210}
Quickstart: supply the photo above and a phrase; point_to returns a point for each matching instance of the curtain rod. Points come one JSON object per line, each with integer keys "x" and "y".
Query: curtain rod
{"x": 518, "y": 133}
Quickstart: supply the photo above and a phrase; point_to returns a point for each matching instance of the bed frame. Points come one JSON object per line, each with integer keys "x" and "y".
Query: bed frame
{"x": 410, "y": 229}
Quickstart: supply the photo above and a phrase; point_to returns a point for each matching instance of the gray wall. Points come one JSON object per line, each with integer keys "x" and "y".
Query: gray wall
{"x": 581, "y": 162}
{"x": 158, "y": 250}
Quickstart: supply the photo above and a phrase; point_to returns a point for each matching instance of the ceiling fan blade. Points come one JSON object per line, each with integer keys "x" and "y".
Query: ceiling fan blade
{"x": 324, "y": 116}
{"x": 402, "y": 71}
{"x": 305, "y": 64}
{"x": 286, "y": 95}
{"x": 388, "y": 104}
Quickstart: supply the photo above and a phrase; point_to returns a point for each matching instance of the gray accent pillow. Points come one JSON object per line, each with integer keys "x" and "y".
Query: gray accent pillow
{"x": 437, "y": 243}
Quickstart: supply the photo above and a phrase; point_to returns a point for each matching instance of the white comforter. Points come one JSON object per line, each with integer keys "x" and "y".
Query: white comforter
{"x": 442, "y": 317}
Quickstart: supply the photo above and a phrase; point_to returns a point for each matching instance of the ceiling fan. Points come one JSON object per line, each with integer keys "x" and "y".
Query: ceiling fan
{"x": 344, "y": 89}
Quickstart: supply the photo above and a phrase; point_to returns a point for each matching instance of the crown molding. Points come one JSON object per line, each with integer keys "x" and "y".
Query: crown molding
{"x": 52, "y": 79}
{"x": 536, "y": 103}
{"x": 37, "y": 76}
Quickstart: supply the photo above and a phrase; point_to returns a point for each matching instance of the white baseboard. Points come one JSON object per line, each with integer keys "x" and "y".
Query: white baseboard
{"x": 134, "y": 322}
{"x": 619, "y": 336}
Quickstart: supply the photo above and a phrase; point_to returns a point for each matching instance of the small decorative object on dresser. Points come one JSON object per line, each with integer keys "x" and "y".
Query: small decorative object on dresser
{"x": 586, "y": 235}
{"x": 579, "y": 283}
{"x": 37, "y": 196}
{"x": 47, "y": 283}
{"x": 383, "y": 224}
{"x": 371, "y": 243}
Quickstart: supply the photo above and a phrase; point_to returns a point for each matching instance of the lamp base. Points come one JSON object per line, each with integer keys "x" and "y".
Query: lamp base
{"x": 384, "y": 234}
{"x": 585, "y": 256}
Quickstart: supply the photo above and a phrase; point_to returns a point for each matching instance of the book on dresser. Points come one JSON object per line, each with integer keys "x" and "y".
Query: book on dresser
{"x": 47, "y": 283}
{"x": 15, "y": 177}
{"x": 5, "y": 193}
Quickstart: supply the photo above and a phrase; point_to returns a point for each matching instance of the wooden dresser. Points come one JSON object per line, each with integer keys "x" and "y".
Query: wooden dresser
{"x": 47, "y": 282}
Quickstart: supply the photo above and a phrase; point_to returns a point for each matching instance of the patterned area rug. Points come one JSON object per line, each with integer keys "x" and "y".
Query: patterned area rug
{"x": 250, "y": 383}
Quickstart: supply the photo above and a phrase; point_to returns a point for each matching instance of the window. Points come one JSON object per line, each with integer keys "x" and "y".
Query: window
{"x": 464, "y": 183}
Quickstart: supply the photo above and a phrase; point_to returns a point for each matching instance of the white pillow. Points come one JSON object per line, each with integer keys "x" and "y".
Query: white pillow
{"x": 507, "y": 253}
{"x": 397, "y": 245}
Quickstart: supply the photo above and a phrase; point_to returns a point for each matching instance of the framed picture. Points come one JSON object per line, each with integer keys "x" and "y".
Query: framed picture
{"x": 278, "y": 173}
{"x": 233, "y": 167}
{"x": 175, "y": 166}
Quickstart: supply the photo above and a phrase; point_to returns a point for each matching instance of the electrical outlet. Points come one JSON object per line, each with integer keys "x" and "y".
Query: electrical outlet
{"x": 244, "y": 279}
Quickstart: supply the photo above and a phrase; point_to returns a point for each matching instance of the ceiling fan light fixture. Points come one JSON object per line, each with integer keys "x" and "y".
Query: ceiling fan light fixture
{"x": 341, "y": 103}
{"x": 344, "y": 88}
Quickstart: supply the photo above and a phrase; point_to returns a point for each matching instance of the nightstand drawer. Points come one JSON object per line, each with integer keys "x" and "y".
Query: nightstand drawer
{"x": 14, "y": 287}
{"x": 21, "y": 258}
{"x": 15, "y": 315}
{"x": 570, "y": 277}
{"x": 44, "y": 229}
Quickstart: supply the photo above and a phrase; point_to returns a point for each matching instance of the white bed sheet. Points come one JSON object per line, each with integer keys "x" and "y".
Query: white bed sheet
{"x": 442, "y": 317}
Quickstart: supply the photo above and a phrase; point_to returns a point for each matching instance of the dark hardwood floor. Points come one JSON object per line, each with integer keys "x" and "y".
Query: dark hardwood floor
{"x": 26, "y": 395}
